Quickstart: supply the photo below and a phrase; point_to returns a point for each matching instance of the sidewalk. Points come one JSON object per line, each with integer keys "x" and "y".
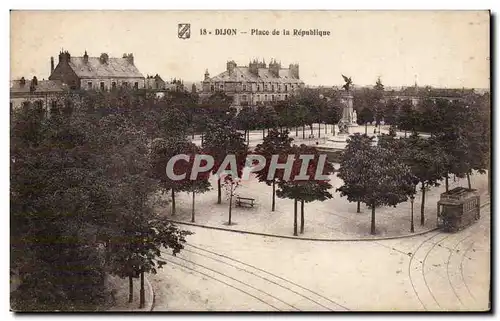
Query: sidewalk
{"x": 120, "y": 288}
{"x": 334, "y": 219}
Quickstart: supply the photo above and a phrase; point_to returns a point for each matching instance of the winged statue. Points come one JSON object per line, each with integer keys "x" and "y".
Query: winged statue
{"x": 348, "y": 83}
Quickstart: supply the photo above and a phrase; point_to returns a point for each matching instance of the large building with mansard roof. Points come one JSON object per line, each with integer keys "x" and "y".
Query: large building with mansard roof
{"x": 97, "y": 73}
{"x": 254, "y": 84}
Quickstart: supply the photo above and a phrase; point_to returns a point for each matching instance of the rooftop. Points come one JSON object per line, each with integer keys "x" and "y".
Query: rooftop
{"x": 112, "y": 67}
{"x": 43, "y": 86}
{"x": 242, "y": 73}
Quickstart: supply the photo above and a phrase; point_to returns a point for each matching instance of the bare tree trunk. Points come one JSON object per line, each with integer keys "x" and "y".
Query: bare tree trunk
{"x": 192, "y": 208}
{"x": 311, "y": 125}
{"x": 319, "y": 130}
{"x": 273, "y": 208}
{"x": 422, "y": 206}
{"x": 302, "y": 217}
{"x": 173, "y": 201}
{"x": 468, "y": 180}
{"x": 248, "y": 141}
{"x": 373, "y": 220}
{"x": 295, "y": 217}
{"x": 446, "y": 183}
{"x": 201, "y": 139}
{"x": 263, "y": 133}
{"x": 230, "y": 205}
{"x": 358, "y": 207}
{"x": 366, "y": 128}
{"x": 303, "y": 131}
{"x": 219, "y": 192}
{"x": 326, "y": 129}
{"x": 142, "y": 299}
{"x": 130, "y": 289}
{"x": 296, "y": 131}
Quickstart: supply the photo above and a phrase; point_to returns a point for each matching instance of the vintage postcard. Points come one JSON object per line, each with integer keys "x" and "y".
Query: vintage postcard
{"x": 250, "y": 161}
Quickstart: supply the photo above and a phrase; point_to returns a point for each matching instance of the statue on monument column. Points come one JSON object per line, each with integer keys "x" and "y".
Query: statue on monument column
{"x": 348, "y": 83}
{"x": 347, "y": 111}
{"x": 354, "y": 117}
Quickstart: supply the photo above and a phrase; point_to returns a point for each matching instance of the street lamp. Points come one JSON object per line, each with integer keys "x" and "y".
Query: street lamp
{"x": 412, "y": 228}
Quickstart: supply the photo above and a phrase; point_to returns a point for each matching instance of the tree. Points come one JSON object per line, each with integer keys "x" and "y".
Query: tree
{"x": 230, "y": 184}
{"x": 198, "y": 184}
{"x": 379, "y": 87}
{"x": 408, "y": 117}
{"x": 427, "y": 164}
{"x": 162, "y": 150}
{"x": 351, "y": 168}
{"x": 218, "y": 107}
{"x": 222, "y": 140}
{"x": 477, "y": 136}
{"x": 392, "y": 112}
{"x": 275, "y": 143}
{"x": 386, "y": 180}
{"x": 312, "y": 188}
{"x": 79, "y": 196}
{"x": 246, "y": 120}
{"x": 333, "y": 111}
{"x": 366, "y": 116}
{"x": 315, "y": 105}
{"x": 268, "y": 118}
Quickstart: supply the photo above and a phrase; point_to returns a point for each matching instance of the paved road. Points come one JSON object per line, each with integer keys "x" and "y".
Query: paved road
{"x": 230, "y": 271}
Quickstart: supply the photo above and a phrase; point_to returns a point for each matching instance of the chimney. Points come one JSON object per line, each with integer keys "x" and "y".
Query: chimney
{"x": 230, "y": 66}
{"x": 85, "y": 57}
{"x": 64, "y": 56}
{"x": 104, "y": 58}
{"x": 22, "y": 81}
{"x": 33, "y": 84}
{"x": 51, "y": 65}
{"x": 129, "y": 57}
{"x": 253, "y": 67}
{"x": 274, "y": 67}
{"x": 294, "y": 70}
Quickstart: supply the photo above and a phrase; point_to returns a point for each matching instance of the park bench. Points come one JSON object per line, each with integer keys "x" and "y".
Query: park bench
{"x": 242, "y": 201}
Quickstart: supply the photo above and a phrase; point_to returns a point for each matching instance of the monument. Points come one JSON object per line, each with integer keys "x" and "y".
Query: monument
{"x": 349, "y": 116}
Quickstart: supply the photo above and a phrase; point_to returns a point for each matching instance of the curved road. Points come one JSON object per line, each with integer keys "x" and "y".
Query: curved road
{"x": 224, "y": 271}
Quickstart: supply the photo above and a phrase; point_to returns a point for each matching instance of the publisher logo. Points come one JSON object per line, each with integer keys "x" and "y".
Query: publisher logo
{"x": 184, "y": 30}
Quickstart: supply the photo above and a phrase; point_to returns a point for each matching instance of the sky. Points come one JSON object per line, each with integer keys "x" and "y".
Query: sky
{"x": 436, "y": 48}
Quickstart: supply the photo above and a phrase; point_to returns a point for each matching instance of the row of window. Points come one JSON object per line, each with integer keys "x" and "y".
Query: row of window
{"x": 261, "y": 87}
{"x": 39, "y": 106}
{"x": 90, "y": 85}
{"x": 265, "y": 97}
